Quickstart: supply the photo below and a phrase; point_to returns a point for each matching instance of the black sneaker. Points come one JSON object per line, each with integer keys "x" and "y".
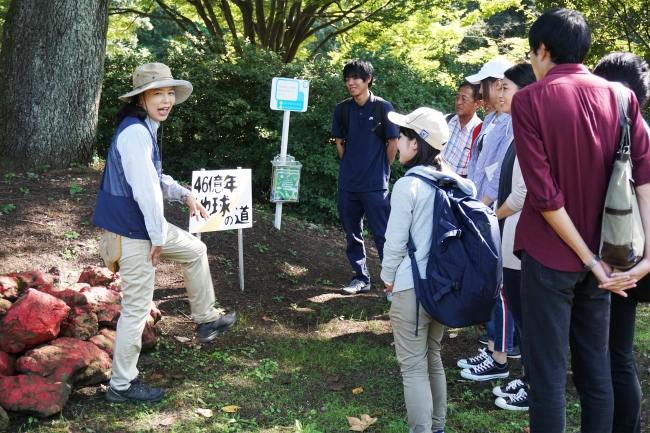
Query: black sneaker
{"x": 210, "y": 330}
{"x": 511, "y": 389}
{"x": 474, "y": 360}
{"x": 483, "y": 339}
{"x": 516, "y": 402}
{"x": 355, "y": 287}
{"x": 515, "y": 353}
{"x": 487, "y": 370}
{"x": 138, "y": 391}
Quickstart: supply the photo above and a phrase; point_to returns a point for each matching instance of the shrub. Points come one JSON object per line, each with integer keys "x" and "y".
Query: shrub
{"x": 227, "y": 122}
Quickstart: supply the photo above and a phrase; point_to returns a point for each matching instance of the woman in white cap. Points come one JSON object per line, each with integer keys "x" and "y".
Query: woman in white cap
{"x": 484, "y": 169}
{"x": 130, "y": 208}
{"x": 423, "y": 134}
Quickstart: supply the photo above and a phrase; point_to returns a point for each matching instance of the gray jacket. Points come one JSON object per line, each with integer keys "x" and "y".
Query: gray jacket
{"x": 412, "y": 210}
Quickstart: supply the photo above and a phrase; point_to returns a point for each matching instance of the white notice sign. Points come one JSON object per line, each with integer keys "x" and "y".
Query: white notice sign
{"x": 289, "y": 94}
{"x": 227, "y": 197}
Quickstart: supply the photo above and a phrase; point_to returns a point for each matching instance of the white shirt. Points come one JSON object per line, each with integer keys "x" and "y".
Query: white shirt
{"x": 136, "y": 150}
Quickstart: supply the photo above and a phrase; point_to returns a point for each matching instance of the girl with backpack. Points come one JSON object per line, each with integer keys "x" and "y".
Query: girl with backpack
{"x": 423, "y": 135}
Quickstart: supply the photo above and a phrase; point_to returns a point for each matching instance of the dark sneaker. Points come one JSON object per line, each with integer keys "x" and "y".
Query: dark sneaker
{"x": 355, "y": 287}
{"x": 515, "y": 353}
{"x": 487, "y": 370}
{"x": 511, "y": 389}
{"x": 515, "y": 402}
{"x": 474, "y": 360}
{"x": 483, "y": 339}
{"x": 138, "y": 391}
{"x": 210, "y": 330}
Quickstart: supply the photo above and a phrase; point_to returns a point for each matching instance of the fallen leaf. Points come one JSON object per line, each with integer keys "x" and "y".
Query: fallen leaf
{"x": 168, "y": 421}
{"x": 267, "y": 319}
{"x": 183, "y": 339}
{"x": 180, "y": 402}
{"x": 362, "y": 424}
{"x": 231, "y": 408}
{"x": 337, "y": 387}
{"x": 205, "y": 413}
{"x": 332, "y": 378}
{"x": 157, "y": 375}
{"x": 453, "y": 335}
{"x": 209, "y": 367}
{"x": 357, "y": 390}
{"x": 376, "y": 414}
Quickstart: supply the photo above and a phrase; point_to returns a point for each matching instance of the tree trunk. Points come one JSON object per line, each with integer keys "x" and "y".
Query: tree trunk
{"x": 51, "y": 69}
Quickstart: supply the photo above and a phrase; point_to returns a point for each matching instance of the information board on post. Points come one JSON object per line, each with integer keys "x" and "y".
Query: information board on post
{"x": 289, "y": 94}
{"x": 227, "y": 197}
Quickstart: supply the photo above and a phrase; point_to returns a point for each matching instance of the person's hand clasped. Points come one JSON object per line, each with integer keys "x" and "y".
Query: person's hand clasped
{"x": 388, "y": 288}
{"x": 154, "y": 255}
{"x": 196, "y": 208}
{"x": 620, "y": 281}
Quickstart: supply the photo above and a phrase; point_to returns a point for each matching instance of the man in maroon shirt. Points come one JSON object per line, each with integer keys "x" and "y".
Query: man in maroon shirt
{"x": 566, "y": 129}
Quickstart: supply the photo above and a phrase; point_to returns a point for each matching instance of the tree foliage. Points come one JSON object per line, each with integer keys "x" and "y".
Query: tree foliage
{"x": 281, "y": 26}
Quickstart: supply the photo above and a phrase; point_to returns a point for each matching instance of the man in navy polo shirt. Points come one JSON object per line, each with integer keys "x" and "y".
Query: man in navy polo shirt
{"x": 365, "y": 168}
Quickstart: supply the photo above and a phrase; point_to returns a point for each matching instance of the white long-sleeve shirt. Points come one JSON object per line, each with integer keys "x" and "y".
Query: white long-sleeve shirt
{"x": 136, "y": 150}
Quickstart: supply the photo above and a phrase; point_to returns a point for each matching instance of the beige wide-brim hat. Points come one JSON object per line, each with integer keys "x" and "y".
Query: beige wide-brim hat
{"x": 155, "y": 76}
{"x": 429, "y": 124}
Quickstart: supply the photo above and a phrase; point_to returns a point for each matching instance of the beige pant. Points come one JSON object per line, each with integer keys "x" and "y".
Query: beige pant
{"x": 425, "y": 385}
{"x": 137, "y": 288}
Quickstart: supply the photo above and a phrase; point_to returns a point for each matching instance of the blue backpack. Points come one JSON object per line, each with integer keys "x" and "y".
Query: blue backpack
{"x": 464, "y": 269}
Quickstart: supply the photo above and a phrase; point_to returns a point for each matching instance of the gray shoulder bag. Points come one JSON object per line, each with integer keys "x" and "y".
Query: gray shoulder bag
{"x": 622, "y": 241}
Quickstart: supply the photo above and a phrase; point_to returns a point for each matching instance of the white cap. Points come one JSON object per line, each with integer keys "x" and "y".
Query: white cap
{"x": 494, "y": 68}
{"x": 430, "y": 125}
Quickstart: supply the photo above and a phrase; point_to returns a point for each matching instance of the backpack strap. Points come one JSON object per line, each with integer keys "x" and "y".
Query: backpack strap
{"x": 345, "y": 119}
{"x": 377, "y": 114}
{"x": 449, "y": 116}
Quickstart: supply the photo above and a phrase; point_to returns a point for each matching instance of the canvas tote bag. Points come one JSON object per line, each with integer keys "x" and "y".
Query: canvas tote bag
{"x": 622, "y": 240}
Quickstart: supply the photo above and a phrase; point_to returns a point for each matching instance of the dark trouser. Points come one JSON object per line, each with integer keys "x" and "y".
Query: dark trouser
{"x": 562, "y": 308}
{"x": 512, "y": 287}
{"x": 625, "y": 377}
{"x": 352, "y": 207}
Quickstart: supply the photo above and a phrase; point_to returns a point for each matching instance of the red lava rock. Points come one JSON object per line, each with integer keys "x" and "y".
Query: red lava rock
{"x": 31, "y": 279}
{"x": 149, "y": 339}
{"x": 97, "y": 276}
{"x": 6, "y": 364}
{"x": 81, "y": 322}
{"x": 67, "y": 360}
{"x": 34, "y": 318}
{"x": 9, "y": 287}
{"x": 79, "y": 287}
{"x": 155, "y": 313}
{"x": 33, "y": 394}
{"x": 107, "y": 305}
{"x": 5, "y": 305}
{"x": 105, "y": 340}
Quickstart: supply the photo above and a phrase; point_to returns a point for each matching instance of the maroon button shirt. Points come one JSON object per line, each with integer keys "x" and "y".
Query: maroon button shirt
{"x": 567, "y": 131}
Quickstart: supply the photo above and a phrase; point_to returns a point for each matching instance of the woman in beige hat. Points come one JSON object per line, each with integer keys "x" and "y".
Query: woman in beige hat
{"x": 422, "y": 136}
{"x": 130, "y": 208}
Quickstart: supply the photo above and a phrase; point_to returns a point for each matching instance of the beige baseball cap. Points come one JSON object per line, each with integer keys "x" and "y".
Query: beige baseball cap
{"x": 155, "y": 76}
{"x": 430, "y": 125}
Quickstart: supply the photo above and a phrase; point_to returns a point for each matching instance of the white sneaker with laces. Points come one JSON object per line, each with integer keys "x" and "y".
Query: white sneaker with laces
{"x": 355, "y": 287}
{"x": 511, "y": 389}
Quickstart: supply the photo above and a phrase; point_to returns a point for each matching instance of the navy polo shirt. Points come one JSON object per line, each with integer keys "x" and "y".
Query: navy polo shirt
{"x": 364, "y": 166}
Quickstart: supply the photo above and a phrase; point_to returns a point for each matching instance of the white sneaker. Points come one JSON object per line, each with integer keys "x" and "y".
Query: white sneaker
{"x": 355, "y": 287}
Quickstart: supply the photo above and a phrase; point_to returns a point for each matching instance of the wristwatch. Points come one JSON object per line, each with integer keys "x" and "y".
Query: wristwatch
{"x": 591, "y": 264}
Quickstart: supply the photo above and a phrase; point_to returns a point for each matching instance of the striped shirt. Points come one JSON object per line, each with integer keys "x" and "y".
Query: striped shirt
{"x": 458, "y": 147}
{"x": 484, "y": 169}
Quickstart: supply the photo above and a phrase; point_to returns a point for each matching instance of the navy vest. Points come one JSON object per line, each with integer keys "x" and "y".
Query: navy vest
{"x": 116, "y": 210}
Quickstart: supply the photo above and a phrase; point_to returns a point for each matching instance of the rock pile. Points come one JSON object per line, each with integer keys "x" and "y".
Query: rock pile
{"x": 54, "y": 337}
